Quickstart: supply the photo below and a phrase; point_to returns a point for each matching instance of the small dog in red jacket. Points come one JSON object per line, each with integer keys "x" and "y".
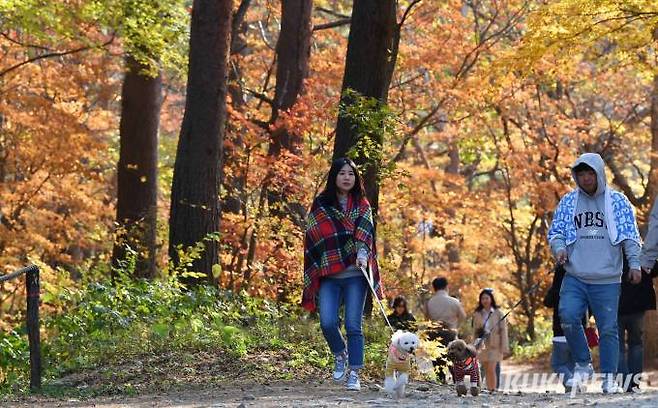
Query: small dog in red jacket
{"x": 464, "y": 362}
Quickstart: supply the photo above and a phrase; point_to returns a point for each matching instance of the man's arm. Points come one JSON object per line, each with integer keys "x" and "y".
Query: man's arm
{"x": 461, "y": 314}
{"x": 650, "y": 250}
{"x": 632, "y": 251}
{"x": 559, "y": 249}
{"x": 425, "y": 306}
{"x": 557, "y": 240}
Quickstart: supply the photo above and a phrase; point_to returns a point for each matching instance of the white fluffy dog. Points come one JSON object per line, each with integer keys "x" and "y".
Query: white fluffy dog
{"x": 398, "y": 363}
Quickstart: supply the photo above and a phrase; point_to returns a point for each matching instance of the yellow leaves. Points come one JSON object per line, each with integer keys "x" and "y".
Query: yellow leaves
{"x": 566, "y": 27}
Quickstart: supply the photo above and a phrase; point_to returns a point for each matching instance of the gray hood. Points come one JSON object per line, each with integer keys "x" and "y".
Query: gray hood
{"x": 594, "y": 161}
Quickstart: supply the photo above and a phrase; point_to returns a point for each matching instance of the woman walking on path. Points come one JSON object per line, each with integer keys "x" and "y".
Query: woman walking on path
{"x": 487, "y": 319}
{"x": 339, "y": 244}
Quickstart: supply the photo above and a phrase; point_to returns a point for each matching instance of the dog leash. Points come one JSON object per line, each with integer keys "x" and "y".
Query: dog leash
{"x": 480, "y": 340}
{"x": 370, "y": 279}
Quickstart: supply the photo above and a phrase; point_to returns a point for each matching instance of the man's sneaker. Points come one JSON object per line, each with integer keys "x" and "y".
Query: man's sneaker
{"x": 578, "y": 383}
{"x": 340, "y": 366}
{"x": 353, "y": 383}
{"x": 610, "y": 386}
{"x": 575, "y": 387}
{"x": 583, "y": 372}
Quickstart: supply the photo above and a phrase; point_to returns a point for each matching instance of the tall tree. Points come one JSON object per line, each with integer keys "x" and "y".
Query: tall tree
{"x": 137, "y": 170}
{"x": 372, "y": 51}
{"x": 234, "y": 201}
{"x": 195, "y": 209}
{"x": 292, "y": 55}
{"x": 293, "y": 51}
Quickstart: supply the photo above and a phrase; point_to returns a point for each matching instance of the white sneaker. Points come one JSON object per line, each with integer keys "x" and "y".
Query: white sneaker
{"x": 578, "y": 383}
{"x": 576, "y": 387}
{"x": 610, "y": 386}
{"x": 583, "y": 372}
{"x": 340, "y": 366}
{"x": 353, "y": 383}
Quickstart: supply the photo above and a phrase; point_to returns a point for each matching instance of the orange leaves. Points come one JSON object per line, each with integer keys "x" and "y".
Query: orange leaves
{"x": 53, "y": 181}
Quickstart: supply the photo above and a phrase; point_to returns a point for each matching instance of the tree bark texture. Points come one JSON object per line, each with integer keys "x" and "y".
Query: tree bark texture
{"x": 137, "y": 170}
{"x": 371, "y": 54}
{"x": 293, "y": 50}
{"x": 195, "y": 209}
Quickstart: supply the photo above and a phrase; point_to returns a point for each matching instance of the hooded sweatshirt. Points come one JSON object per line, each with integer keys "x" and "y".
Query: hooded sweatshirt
{"x": 593, "y": 258}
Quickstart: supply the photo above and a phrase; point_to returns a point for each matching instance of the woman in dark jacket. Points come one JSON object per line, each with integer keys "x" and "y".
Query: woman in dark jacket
{"x": 562, "y": 361}
{"x": 634, "y": 301}
{"x": 401, "y": 318}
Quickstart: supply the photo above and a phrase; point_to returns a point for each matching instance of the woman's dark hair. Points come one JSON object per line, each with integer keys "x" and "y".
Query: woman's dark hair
{"x": 331, "y": 191}
{"x": 493, "y": 300}
{"x": 400, "y": 300}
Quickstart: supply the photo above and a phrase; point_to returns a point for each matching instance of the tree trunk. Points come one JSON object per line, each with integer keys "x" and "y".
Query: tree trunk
{"x": 137, "y": 170}
{"x": 235, "y": 200}
{"x": 371, "y": 54}
{"x": 195, "y": 209}
{"x": 293, "y": 50}
{"x": 292, "y": 55}
{"x": 452, "y": 248}
{"x": 530, "y": 327}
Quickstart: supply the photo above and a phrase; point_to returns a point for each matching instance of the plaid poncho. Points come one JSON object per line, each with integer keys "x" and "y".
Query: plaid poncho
{"x": 332, "y": 241}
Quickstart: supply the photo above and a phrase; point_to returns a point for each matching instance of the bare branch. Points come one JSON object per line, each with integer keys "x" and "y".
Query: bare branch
{"x": 333, "y": 24}
{"x": 332, "y": 12}
{"x": 408, "y": 11}
{"x": 261, "y": 96}
{"x": 52, "y": 55}
{"x": 22, "y": 44}
{"x": 238, "y": 17}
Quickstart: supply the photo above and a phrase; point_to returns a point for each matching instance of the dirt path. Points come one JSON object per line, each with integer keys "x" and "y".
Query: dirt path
{"x": 330, "y": 395}
{"x": 327, "y": 394}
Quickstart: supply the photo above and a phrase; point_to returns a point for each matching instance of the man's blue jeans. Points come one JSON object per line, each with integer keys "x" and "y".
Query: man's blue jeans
{"x": 352, "y": 293}
{"x": 562, "y": 361}
{"x": 631, "y": 349}
{"x": 603, "y": 300}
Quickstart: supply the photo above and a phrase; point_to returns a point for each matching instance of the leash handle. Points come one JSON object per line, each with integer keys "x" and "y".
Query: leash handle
{"x": 368, "y": 275}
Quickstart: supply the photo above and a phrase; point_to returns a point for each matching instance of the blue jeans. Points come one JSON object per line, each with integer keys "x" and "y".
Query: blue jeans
{"x": 562, "y": 361}
{"x": 352, "y": 293}
{"x": 631, "y": 349}
{"x": 603, "y": 300}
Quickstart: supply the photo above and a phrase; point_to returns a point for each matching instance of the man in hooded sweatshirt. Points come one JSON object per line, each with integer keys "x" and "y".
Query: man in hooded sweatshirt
{"x": 591, "y": 227}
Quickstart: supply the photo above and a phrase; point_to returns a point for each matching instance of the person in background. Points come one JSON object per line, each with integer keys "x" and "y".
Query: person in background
{"x": 488, "y": 322}
{"x": 562, "y": 360}
{"x": 401, "y": 318}
{"x": 634, "y": 301}
{"x": 445, "y": 313}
